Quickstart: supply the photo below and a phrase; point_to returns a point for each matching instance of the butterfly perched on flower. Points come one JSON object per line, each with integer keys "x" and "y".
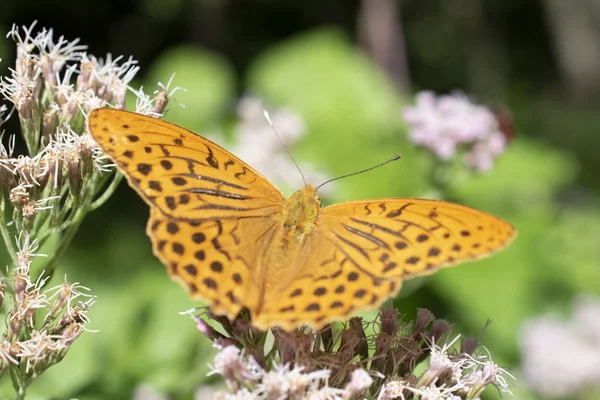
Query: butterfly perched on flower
{"x": 232, "y": 239}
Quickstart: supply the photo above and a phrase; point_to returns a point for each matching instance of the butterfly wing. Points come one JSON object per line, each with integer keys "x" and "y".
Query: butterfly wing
{"x": 213, "y": 218}
{"x": 182, "y": 174}
{"x": 405, "y": 238}
{"x": 214, "y": 260}
{"x": 363, "y": 250}
{"x": 212, "y": 215}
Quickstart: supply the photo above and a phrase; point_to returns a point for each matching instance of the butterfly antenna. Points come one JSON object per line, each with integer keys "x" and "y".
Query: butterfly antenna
{"x": 396, "y": 157}
{"x": 268, "y": 118}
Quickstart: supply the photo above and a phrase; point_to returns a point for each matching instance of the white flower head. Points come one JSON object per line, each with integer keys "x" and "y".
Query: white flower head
{"x": 27, "y": 248}
{"x": 441, "y": 363}
{"x": 483, "y": 372}
{"x": 242, "y": 394}
{"x": 392, "y": 390}
{"x": 360, "y": 381}
{"x": 562, "y": 358}
{"x": 283, "y": 381}
{"x": 18, "y": 89}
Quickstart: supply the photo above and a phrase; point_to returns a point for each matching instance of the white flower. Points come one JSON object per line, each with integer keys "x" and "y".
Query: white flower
{"x": 586, "y": 318}
{"x": 35, "y": 349}
{"x": 359, "y": 381}
{"x": 27, "y": 250}
{"x": 19, "y": 88}
{"x": 326, "y": 393}
{"x": 563, "y": 358}
{"x": 283, "y": 380}
{"x": 392, "y": 390}
{"x": 441, "y": 364}
{"x": 65, "y": 294}
{"x": 227, "y": 357}
{"x": 6, "y": 355}
{"x": 242, "y": 394}
{"x": 482, "y": 371}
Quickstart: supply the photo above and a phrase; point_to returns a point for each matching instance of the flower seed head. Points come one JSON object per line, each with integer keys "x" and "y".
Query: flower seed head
{"x": 388, "y": 318}
{"x": 439, "y": 329}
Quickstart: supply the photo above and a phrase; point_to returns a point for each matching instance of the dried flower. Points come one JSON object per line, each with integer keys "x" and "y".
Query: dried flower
{"x": 32, "y": 344}
{"x": 49, "y": 190}
{"x": 300, "y": 366}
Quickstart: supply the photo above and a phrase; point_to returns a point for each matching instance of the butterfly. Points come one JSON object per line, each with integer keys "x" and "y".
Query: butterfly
{"x": 232, "y": 239}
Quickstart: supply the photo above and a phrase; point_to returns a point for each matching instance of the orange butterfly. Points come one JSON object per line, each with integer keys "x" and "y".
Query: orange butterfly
{"x": 232, "y": 239}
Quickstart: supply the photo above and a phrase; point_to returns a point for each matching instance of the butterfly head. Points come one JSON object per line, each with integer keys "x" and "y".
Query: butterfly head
{"x": 301, "y": 210}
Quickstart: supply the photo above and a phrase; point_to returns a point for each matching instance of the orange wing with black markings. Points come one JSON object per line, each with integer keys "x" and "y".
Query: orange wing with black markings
{"x": 230, "y": 237}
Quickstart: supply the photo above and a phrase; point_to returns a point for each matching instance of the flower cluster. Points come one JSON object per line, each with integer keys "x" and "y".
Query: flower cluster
{"x": 562, "y": 358}
{"x": 449, "y": 123}
{"x": 63, "y": 176}
{"x": 41, "y": 323}
{"x": 256, "y": 144}
{"x": 49, "y": 187}
{"x": 374, "y": 360}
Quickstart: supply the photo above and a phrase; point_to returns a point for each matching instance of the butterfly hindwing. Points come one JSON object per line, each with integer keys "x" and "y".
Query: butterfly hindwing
{"x": 329, "y": 287}
{"x": 212, "y": 259}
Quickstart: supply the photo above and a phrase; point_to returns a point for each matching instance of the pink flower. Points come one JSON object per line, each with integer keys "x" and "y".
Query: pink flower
{"x": 447, "y": 123}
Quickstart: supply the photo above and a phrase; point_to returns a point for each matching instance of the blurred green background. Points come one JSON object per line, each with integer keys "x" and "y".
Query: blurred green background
{"x": 347, "y": 67}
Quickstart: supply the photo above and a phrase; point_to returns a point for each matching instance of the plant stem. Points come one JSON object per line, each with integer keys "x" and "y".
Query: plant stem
{"x": 21, "y": 393}
{"x": 19, "y": 385}
{"x": 64, "y": 243}
{"x": 108, "y": 192}
{"x": 6, "y": 236}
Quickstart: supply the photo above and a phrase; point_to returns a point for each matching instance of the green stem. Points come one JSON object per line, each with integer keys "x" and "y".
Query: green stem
{"x": 437, "y": 182}
{"x": 67, "y": 205}
{"x": 20, "y": 385}
{"x": 71, "y": 226}
{"x": 8, "y": 243}
{"x": 108, "y": 192}
{"x": 21, "y": 393}
{"x": 31, "y": 134}
{"x": 64, "y": 243}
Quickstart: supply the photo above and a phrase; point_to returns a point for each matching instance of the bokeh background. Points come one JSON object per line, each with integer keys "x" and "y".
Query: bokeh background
{"x": 347, "y": 68}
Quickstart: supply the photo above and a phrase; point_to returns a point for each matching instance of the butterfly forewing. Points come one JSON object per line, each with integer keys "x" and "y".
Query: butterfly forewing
{"x": 211, "y": 214}
{"x": 182, "y": 174}
{"x": 403, "y": 238}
